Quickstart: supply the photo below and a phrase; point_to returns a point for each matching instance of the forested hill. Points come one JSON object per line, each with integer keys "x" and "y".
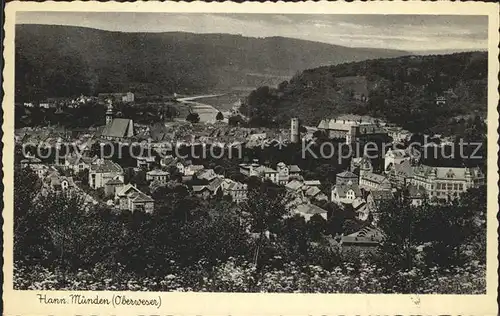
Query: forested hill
{"x": 402, "y": 90}
{"x": 63, "y": 61}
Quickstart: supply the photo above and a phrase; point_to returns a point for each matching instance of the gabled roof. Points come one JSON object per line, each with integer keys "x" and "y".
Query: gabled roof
{"x": 294, "y": 168}
{"x": 126, "y": 190}
{"x": 141, "y": 197}
{"x": 312, "y": 191}
{"x": 373, "y": 177}
{"x": 114, "y": 182}
{"x": 117, "y": 128}
{"x": 293, "y": 185}
{"x": 107, "y": 166}
{"x": 215, "y": 184}
{"x": 309, "y": 209}
{"x": 199, "y": 188}
{"x": 343, "y": 189}
{"x": 347, "y": 174}
{"x": 312, "y": 183}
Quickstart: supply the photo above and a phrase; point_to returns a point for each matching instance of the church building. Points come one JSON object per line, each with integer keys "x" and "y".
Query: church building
{"x": 117, "y": 128}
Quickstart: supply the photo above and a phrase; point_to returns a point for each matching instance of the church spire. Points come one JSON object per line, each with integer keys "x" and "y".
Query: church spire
{"x": 109, "y": 113}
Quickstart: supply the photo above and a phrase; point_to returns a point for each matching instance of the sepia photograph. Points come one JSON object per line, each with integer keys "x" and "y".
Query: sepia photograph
{"x": 249, "y": 153}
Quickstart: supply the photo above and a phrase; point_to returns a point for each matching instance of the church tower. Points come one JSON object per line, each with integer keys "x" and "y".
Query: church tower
{"x": 109, "y": 113}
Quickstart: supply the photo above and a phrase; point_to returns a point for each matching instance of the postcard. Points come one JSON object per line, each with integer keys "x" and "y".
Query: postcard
{"x": 313, "y": 158}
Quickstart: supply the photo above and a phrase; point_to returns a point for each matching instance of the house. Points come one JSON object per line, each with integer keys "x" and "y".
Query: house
{"x": 168, "y": 161}
{"x": 441, "y": 100}
{"x": 116, "y": 97}
{"x": 361, "y": 165}
{"x": 283, "y": 174}
{"x": 201, "y": 191}
{"x": 374, "y": 182}
{"x": 249, "y": 169}
{"x": 157, "y": 175}
{"x": 294, "y": 171}
{"x": 346, "y": 193}
{"x": 112, "y": 186}
{"x": 416, "y": 195}
{"x": 266, "y": 173}
{"x": 308, "y": 210}
{"x": 54, "y": 182}
{"x": 206, "y": 174}
{"x": 145, "y": 162}
{"x": 400, "y": 173}
{"x": 314, "y": 192}
{"x": 237, "y": 190}
{"x": 192, "y": 169}
{"x": 366, "y": 237}
{"x": 78, "y": 163}
{"x": 446, "y": 183}
{"x": 312, "y": 183}
{"x": 351, "y": 127}
{"x": 132, "y": 199}
{"x": 394, "y": 157}
{"x": 30, "y": 162}
{"x": 102, "y": 171}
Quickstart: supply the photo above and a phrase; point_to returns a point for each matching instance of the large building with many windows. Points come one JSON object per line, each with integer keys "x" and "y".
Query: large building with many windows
{"x": 444, "y": 182}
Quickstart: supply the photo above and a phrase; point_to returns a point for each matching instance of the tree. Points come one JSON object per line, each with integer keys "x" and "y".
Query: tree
{"x": 193, "y": 117}
{"x": 236, "y": 120}
{"x": 219, "y": 116}
{"x": 265, "y": 207}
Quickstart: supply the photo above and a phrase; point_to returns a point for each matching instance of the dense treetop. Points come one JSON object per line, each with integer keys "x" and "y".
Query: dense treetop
{"x": 402, "y": 90}
{"x": 57, "y": 61}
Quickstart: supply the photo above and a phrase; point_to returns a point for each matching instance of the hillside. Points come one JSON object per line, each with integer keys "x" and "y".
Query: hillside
{"x": 401, "y": 90}
{"x": 65, "y": 61}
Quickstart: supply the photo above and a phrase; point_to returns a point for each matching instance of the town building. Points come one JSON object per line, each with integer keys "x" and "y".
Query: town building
{"x": 103, "y": 171}
{"x": 351, "y": 127}
{"x": 446, "y": 183}
{"x": 308, "y": 210}
{"x": 112, "y": 186}
{"x": 157, "y": 175}
{"x": 131, "y": 198}
{"x": 126, "y": 97}
{"x": 346, "y": 188}
{"x": 78, "y": 163}
{"x": 294, "y": 130}
{"x": 361, "y": 165}
{"x": 145, "y": 162}
{"x": 236, "y": 190}
{"x": 395, "y": 157}
{"x": 374, "y": 182}
{"x": 116, "y": 128}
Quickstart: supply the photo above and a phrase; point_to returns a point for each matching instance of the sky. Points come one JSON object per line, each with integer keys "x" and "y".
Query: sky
{"x": 405, "y": 32}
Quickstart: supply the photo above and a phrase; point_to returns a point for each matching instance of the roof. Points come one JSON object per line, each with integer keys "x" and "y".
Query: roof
{"x": 265, "y": 169}
{"x": 347, "y": 174}
{"x": 294, "y": 168}
{"x": 127, "y": 188}
{"x": 416, "y": 192}
{"x": 215, "y": 184}
{"x": 373, "y": 177}
{"x": 343, "y": 189}
{"x": 312, "y": 191}
{"x": 309, "y": 209}
{"x": 367, "y": 235}
{"x": 117, "y": 128}
{"x": 396, "y": 153}
{"x": 381, "y": 195}
{"x": 312, "y": 183}
{"x": 114, "y": 181}
{"x": 404, "y": 169}
{"x": 199, "y": 188}
{"x": 293, "y": 185}
{"x": 107, "y": 166}
{"x": 157, "y": 172}
{"x": 448, "y": 172}
{"x": 141, "y": 197}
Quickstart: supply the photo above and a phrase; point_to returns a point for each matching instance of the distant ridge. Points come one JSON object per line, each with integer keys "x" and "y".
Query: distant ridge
{"x": 53, "y": 60}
